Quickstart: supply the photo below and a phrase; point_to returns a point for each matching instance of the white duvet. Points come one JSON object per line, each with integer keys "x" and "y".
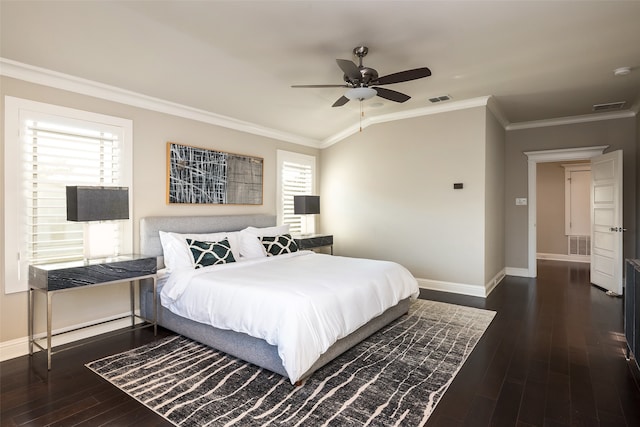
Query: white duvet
{"x": 301, "y": 302}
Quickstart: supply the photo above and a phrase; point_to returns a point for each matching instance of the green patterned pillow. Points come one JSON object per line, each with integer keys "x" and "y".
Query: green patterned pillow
{"x": 210, "y": 253}
{"x": 278, "y": 245}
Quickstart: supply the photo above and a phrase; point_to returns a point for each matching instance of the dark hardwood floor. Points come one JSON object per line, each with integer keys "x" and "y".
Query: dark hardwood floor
{"x": 553, "y": 356}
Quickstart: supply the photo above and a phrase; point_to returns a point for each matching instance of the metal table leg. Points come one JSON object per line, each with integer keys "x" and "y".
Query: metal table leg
{"x": 30, "y": 321}
{"x": 49, "y": 321}
{"x": 155, "y": 305}
{"x": 132, "y": 298}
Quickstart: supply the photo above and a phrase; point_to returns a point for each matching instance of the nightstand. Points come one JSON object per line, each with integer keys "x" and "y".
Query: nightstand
{"x": 313, "y": 241}
{"x": 52, "y": 278}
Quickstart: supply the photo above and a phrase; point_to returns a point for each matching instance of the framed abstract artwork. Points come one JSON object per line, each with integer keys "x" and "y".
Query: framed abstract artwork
{"x": 203, "y": 176}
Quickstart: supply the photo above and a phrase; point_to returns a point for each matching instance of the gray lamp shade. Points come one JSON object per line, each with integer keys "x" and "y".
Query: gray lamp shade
{"x": 97, "y": 203}
{"x": 305, "y": 205}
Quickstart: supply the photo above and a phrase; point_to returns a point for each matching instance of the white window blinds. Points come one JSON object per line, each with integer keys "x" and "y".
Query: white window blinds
{"x": 48, "y": 148}
{"x": 57, "y": 155}
{"x": 296, "y": 175}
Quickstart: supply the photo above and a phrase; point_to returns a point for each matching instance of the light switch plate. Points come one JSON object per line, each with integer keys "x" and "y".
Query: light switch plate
{"x": 521, "y": 201}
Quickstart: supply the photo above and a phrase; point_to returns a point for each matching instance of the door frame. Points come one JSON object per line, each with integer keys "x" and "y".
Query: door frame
{"x": 545, "y": 156}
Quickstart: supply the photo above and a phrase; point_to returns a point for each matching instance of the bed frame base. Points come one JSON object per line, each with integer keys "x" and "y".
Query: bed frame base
{"x": 255, "y": 350}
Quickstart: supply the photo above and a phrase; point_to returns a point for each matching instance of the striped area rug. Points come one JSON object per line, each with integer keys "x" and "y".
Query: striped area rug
{"x": 393, "y": 378}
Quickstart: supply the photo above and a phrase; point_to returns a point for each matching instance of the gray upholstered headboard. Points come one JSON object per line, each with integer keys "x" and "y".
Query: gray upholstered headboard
{"x": 149, "y": 227}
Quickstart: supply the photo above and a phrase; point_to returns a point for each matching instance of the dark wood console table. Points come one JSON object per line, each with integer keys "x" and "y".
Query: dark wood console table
{"x": 313, "y": 241}
{"x": 49, "y": 279}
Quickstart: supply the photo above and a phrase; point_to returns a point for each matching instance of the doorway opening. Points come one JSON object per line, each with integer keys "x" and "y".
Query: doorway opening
{"x": 533, "y": 158}
{"x": 563, "y": 214}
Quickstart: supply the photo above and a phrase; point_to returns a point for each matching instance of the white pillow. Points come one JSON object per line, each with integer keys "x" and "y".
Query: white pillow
{"x": 176, "y": 251}
{"x": 250, "y": 246}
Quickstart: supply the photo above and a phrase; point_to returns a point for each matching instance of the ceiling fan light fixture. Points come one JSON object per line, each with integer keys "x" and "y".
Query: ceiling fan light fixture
{"x": 360, "y": 93}
{"x": 622, "y": 71}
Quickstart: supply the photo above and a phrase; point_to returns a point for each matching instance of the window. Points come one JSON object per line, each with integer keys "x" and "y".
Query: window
{"x": 296, "y": 176}
{"x": 47, "y": 148}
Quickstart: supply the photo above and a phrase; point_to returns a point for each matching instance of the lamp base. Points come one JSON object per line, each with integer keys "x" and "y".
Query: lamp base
{"x": 307, "y": 225}
{"x": 99, "y": 238}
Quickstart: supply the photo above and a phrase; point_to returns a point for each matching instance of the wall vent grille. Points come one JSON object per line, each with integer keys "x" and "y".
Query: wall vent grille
{"x": 579, "y": 245}
{"x": 439, "y": 98}
{"x": 612, "y": 106}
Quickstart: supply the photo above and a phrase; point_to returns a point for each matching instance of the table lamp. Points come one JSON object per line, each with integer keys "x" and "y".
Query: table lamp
{"x": 306, "y": 205}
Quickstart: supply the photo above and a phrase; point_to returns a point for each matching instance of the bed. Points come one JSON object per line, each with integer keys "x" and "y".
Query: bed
{"x": 243, "y": 343}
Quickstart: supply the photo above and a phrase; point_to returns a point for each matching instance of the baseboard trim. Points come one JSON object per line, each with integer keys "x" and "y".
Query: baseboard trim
{"x": 518, "y": 272}
{"x": 456, "y": 288}
{"x": 20, "y": 346}
{"x": 494, "y": 282}
{"x": 562, "y": 257}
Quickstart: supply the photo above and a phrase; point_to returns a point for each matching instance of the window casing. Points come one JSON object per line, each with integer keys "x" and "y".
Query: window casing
{"x": 296, "y": 176}
{"x": 48, "y": 147}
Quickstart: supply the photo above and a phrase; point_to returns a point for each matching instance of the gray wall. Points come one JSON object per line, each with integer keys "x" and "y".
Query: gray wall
{"x": 388, "y": 194}
{"x": 619, "y": 134}
{"x": 494, "y": 198}
{"x": 550, "y": 236}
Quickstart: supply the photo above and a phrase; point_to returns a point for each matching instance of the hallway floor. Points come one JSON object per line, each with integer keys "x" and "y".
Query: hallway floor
{"x": 554, "y": 356}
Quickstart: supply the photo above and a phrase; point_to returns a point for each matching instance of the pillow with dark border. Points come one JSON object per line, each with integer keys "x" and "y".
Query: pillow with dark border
{"x": 210, "y": 253}
{"x": 278, "y": 245}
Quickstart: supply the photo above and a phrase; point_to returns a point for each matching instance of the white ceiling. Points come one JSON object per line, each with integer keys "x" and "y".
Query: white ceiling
{"x": 540, "y": 59}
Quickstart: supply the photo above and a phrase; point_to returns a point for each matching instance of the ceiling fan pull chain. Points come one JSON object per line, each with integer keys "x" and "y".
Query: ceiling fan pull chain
{"x": 361, "y": 115}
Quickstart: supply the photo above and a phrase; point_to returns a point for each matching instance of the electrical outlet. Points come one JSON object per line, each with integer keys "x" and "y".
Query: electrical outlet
{"x": 521, "y": 201}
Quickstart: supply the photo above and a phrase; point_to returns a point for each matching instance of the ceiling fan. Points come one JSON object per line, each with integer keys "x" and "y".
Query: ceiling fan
{"x": 363, "y": 81}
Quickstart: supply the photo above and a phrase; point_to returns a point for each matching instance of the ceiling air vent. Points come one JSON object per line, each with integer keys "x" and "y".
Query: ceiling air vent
{"x": 439, "y": 98}
{"x": 612, "y": 106}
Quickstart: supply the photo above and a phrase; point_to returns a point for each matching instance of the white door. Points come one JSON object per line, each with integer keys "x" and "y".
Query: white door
{"x": 577, "y": 203}
{"x": 606, "y": 224}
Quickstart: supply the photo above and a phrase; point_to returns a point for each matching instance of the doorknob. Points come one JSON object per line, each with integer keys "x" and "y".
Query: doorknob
{"x": 613, "y": 229}
{"x": 620, "y": 229}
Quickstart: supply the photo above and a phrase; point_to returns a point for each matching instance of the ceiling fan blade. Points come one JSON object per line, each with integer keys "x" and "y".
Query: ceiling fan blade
{"x": 350, "y": 69}
{"x": 391, "y": 95}
{"x": 341, "y": 101}
{"x": 299, "y": 86}
{"x": 404, "y": 76}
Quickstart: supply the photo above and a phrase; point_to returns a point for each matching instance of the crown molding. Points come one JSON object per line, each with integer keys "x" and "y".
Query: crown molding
{"x": 586, "y": 118}
{"x": 494, "y": 107}
{"x": 42, "y": 76}
{"x": 407, "y": 114}
{"x": 565, "y": 154}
